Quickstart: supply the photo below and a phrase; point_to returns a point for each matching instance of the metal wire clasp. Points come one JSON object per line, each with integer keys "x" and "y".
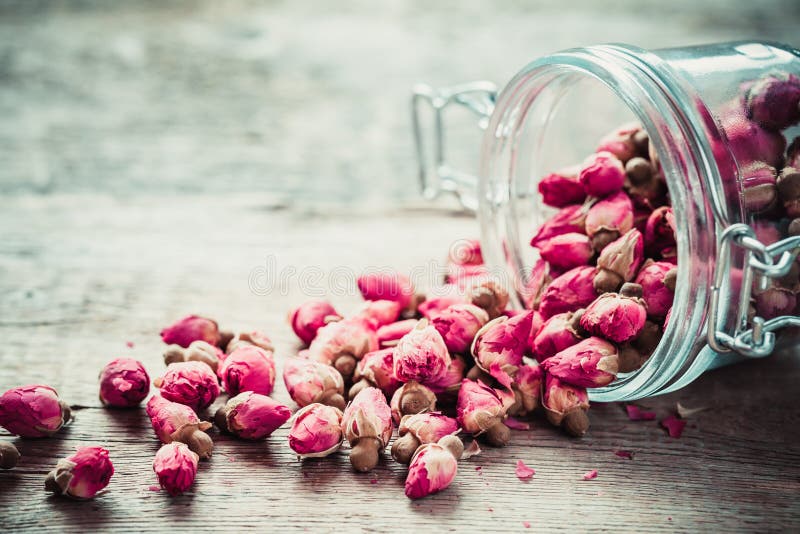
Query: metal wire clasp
{"x": 761, "y": 263}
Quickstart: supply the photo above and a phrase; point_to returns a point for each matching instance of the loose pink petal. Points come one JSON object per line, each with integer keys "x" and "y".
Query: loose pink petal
{"x": 373, "y": 481}
{"x": 129, "y": 344}
{"x": 624, "y": 454}
{"x": 526, "y": 524}
{"x": 523, "y": 471}
{"x": 674, "y": 426}
{"x": 590, "y": 475}
{"x": 516, "y": 424}
{"x": 637, "y": 414}
{"x": 473, "y": 449}
{"x": 154, "y": 488}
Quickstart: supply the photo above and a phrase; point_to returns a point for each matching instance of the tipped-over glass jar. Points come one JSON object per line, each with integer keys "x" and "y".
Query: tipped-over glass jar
{"x": 718, "y": 118}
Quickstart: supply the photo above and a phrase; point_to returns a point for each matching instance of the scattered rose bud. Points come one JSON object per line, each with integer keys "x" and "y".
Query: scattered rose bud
{"x": 527, "y": 388}
{"x": 657, "y": 279}
{"x": 558, "y": 332}
{"x": 758, "y": 183}
{"x": 367, "y": 425}
{"x": 316, "y": 431}
{"x": 81, "y": 475}
{"x": 412, "y": 398}
{"x": 191, "y": 328}
{"x": 421, "y": 355}
{"x": 376, "y": 369}
{"x": 254, "y": 338}
{"x": 490, "y": 296}
{"x": 566, "y": 251}
{"x": 569, "y": 292}
{"x": 310, "y": 316}
{"x": 250, "y": 415}
{"x": 389, "y": 285}
{"x": 379, "y": 313}
{"x": 619, "y": 317}
{"x": 432, "y": 469}
{"x": 432, "y": 307}
{"x": 566, "y": 406}
{"x": 637, "y": 414}
{"x": 198, "y": 351}
{"x": 33, "y": 411}
{"x": 608, "y": 219}
{"x": 308, "y": 382}
{"x": 591, "y": 363}
{"x": 523, "y": 472}
{"x": 481, "y": 410}
{"x": 568, "y": 220}
{"x": 619, "y": 262}
{"x": 622, "y": 142}
{"x": 9, "y": 455}
{"x": 674, "y": 426}
{"x": 189, "y": 383}
{"x": 602, "y": 174}
{"x": 561, "y": 189}
{"x": 774, "y": 101}
{"x": 499, "y": 346}
{"x": 124, "y": 383}
{"x": 389, "y": 335}
{"x": 175, "y": 466}
{"x": 343, "y": 343}
{"x": 458, "y": 325}
{"x": 177, "y": 422}
{"x": 248, "y": 368}
{"x": 419, "y": 429}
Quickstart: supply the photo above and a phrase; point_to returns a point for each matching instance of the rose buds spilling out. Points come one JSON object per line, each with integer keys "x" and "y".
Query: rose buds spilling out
{"x": 342, "y": 344}
{"x": 591, "y": 363}
{"x": 124, "y": 383}
{"x": 481, "y": 411}
{"x": 410, "y": 399}
{"x": 419, "y": 429}
{"x": 433, "y": 468}
{"x": 571, "y": 219}
{"x": 198, "y": 351}
{"x": 376, "y": 369}
{"x": 566, "y": 406}
{"x": 367, "y": 425}
{"x": 458, "y": 324}
{"x": 190, "y": 383}
{"x": 33, "y": 411}
{"x": 316, "y": 431}
{"x": 175, "y": 466}
{"x": 192, "y": 328}
{"x": 619, "y": 316}
{"x": 310, "y": 316}
{"x": 81, "y": 475}
{"x": 251, "y": 415}
{"x": 177, "y": 422}
{"x": 421, "y": 355}
{"x": 566, "y": 251}
{"x": 379, "y": 313}
{"x": 308, "y": 382}
{"x": 248, "y": 368}
{"x": 9, "y": 455}
{"x": 499, "y": 346}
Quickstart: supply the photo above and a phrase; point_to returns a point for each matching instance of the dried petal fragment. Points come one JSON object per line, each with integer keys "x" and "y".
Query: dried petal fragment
{"x": 524, "y": 472}
{"x": 81, "y": 475}
{"x": 673, "y": 425}
{"x": 590, "y": 475}
{"x": 316, "y": 431}
{"x": 628, "y": 455}
{"x": 637, "y": 414}
{"x": 33, "y": 411}
{"x": 175, "y": 466}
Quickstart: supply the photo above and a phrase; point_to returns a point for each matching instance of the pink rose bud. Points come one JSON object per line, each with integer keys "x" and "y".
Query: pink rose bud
{"x": 432, "y": 469}
{"x": 481, "y": 410}
{"x": 450, "y": 383}
{"x": 389, "y": 335}
{"x": 367, "y": 425}
{"x": 489, "y": 295}
{"x": 776, "y": 301}
{"x": 567, "y": 251}
{"x": 177, "y": 422}
{"x": 308, "y": 382}
{"x": 419, "y": 429}
{"x": 254, "y": 338}
{"x": 33, "y": 411}
{"x": 558, "y": 333}
{"x": 316, "y": 431}
{"x": 343, "y": 343}
{"x": 618, "y": 317}
{"x": 389, "y": 285}
{"x": 421, "y": 355}
{"x": 571, "y": 291}
{"x": 376, "y": 369}
{"x": 465, "y": 252}
{"x": 81, "y": 475}
{"x": 310, "y": 316}
{"x": 657, "y": 279}
{"x": 602, "y": 174}
{"x": 379, "y": 313}
{"x": 560, "y": 189}
{"x": 593, "y": 362}
{"x": 464, "y": 276}
{"x": 619, "y": 262}
{"x": 759, "y": 185}
{"x": 198, "y": 351}
{"x": 189, "y": 383}
{"x": 527, "y": 389}
{"x": 175, "y": 466}
{"x": 622, "y": 142}
{"x": 499, "y": 346}
{"x": 251, "y": 415}
{"x": 123, "y": 383}
{"x": 433, "y": 306}
{"x": 608, "y": 219}
{"x": 566, "y": 406}
{"x": 248, "y": 368}
{"x": 660, "y": 231}
{"x": 571, "y": 219}
{"x": 749, "y": 142}
{"x": 774, "y": 101}
{"x": 190, "y": 329}
{"x": 458, "y": 325}
{"x": 412, "y": 398}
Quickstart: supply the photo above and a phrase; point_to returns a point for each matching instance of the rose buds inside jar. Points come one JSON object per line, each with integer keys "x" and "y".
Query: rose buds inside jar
{"x": 566, "y": 406}
{"x": 310, "y": 316}
{"x": 248, "y": 368}
{"x": 124, "y": 383}
{"x": 421, "y": 355}
{"x": 81, "y": 475}
{"x": 481, "y": 411}
{"x": 619, "y": 262}
{"x": 602, "y": 174}
{"x": 569, "y": 292}
{"x": 175, "y": 466}
{"x": 33, "y": 411}
{"x": 198, "y": 351}
{"x": 608, "y": 219}
{"x": 308, "y": 382}
{"x": 412, "y": 398}
{"x": 562, "y": 188}
{"x": 177, "y": 422}
{"x": 251, "y": 415}
{"x": 9, "y": 455}
{"x": 367, "y": 425}
{"x": 419, "y": 429}
{"x": 189, "y": 383}
{"x": 191, "y": 328}
{"x": 376, "y": 369}
{"x": 433, "y": 468}
{"x": 316, "y": 431}
{"x": 618, "y": 317}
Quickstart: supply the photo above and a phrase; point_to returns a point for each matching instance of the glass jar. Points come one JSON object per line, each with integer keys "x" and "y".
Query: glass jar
{"x": 693, "y": 103}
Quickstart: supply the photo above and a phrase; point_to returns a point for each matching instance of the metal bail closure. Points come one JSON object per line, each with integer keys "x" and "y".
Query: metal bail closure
{"x": 436, "y": 175}
{"x": 761, "y": 263}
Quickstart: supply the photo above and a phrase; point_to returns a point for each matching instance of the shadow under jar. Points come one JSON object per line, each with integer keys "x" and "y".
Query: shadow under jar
{"x": 716, "y": 116}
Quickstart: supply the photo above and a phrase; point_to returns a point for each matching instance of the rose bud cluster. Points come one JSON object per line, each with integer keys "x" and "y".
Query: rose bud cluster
{"x": 251, "y": 416}
{"x": 482, "y": 409}
{"x": 412, "y": 398}
{"x": 175, "y": 466}
{"x": 197, "y": 351}
{"x": 190, "y": 383}
{"x": 310, "y": 316}
{"x": 172, "y": 421}
{"x": 367, "y": 425}
{"x": 308, "y": 382}
{"x": 433, "y": 468}
{"x": 33, "y": 411}
{"x": 9, "y": 455}
{"x": 419, "y": 429}
{"x": 421, "y": 355}
{"x": 376, "y": 369}
{"x": 81, "y": 475}
{"x": 192, "y": 328}
{"x": 316, "y": 431}
{"x": 124, "y": 383}
{"x": 342, "y": 344}
{"x": 248, "y": 368}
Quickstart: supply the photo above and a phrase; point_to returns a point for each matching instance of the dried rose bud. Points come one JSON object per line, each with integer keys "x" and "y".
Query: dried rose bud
{"x": 190, "y": 329}
{"x": 432, "y": 306}
{"x": 367, "y": 425}
{"x": 593, "y": 362}
{"x": 177, "y": 422}
{"x": 571, "y": 291}
{"x": 198, "y": 351}
{"x": 608, "y": 219}
{"x": 420, "y": 429}
{"x": 558, "y": 332}
{"x": 189, "y": 383}
{"x": 758, "y": 183}
{"x": 308, "y": 382}
{"x": 562, "y": 188}
{"x": 421, "y": 355}
{"x": 379, "y": 313}
{"x": 499, "y": 346}
{"x": 646, "y": 187}
{"x": 450, "y": 382}
{"x": 81, "y": 475}
{"x": 310, "y": 316}
{"x": 566, "y": 406}
{"x": 248, "y": 368}
{"x": 463, "y": 276}
{"x": 175, "y": 466}
{"x": 124, "y": 383}
{"x": 432, "y": 469}
{"x": 254, "y": 338}
{"x": 412, "y": 398}
{"x": 225, "y": 337}
{"x": 33, "y": 411}
{"x": 482, "y": 409}
{"x": 566, "y": 251}
{"x": 634, "y": 354}
{"x": 616, "y": 316}
{"x": 490, "y": 296}
{"x": 639, "y": 171}
{"x": 789, "y": 190}
{"x": 536, "y": 284}
{"x": 316, "y": 431}
{"x": 458, "y": 325}
{"x": 389, "y": 335}
{"x": 657, "y": 279}
{"x": 465, "y": 252}
{"x": 775, "y": 301}
{"x": 622, "y": 142}
{"x": 9, "y": 455}
{"x": 250, "y": 415}
{"x": 749, "y": 142}
{"x": 343, "y": 343}
{"x": 773, "y": 101}
{"x": 619, "y": 261}
{"x": 389, "y": 285}
{"x": 376, "y": 369}
{"x": 602, "y": 175}
{"x": 568, "y": 220}
{"x": 527, "y": 389}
